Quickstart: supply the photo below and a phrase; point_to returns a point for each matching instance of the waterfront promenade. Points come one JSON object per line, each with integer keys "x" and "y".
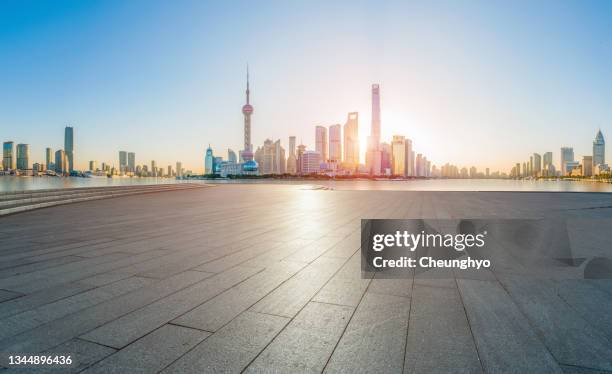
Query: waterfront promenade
{"x": 266, "y": 278}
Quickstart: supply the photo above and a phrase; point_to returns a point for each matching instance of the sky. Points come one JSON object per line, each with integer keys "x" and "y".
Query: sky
{"x": 474, "y": 83}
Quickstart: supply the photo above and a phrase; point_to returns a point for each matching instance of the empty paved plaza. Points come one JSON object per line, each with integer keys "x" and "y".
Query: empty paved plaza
{"x": 266, "y": 278}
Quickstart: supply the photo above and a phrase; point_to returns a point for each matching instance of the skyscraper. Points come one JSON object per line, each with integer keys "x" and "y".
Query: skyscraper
{"x": 231, "y": 157}
{"x": 179, "y": 168}
{"x": 375, "y": 130}
{"x": 409, "y": 159}
{"x": 567, "y": 155}
{"x": 321, "y": 142}
{"x": 587, "y": 166}
{"x": 536, "y": 165}
{"x": 301, "y": 149}
{"x": 351, "y": 140}
{"x": 23, "y": 156}
{"x": 209, "y": 161}
{"x": 292, "y": 145}
{"x": 122, "y": 161}
{"x": 48, "y": 158}
{"x": 131, "y": 162}
{"x": 548, "y": 168}
{"x": 599, "y": 149}
{"x": 292, "y": 158}
{"x": 69, "y": 146}
{"x": 8, "y": 156}
{"x": 92, "y": 166}
{"x": 373, "y": 156}
{"x": 247, "y": 110}
{"x": 398, "y": 156}
{"x": 61, "y": 162}
{"x": 271, "y": 157}
{"x": 335, "y": 143}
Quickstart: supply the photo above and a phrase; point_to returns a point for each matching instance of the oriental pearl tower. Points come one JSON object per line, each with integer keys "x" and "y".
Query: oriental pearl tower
{"x": 247, "y": 109}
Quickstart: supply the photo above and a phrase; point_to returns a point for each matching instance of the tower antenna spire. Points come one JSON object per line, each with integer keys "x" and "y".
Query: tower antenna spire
{"x": 247, "y": 90}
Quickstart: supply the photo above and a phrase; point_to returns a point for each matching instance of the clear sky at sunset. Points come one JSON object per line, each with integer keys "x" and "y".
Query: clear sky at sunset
{"x": 481, "y": 83}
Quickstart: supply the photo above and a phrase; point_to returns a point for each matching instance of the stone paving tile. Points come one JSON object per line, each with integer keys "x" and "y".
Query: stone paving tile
{"x": 375, "y": 338}
{"x": 571, "y": 339}
{"x": 231, "y": 348}
{"x": 122, "y": 331}
{"x": 391, "y": 286}
{"x": 29, "y": 268}
{"x": 56, "y": 332}
{"x": 439, "y": 337}
{"x": 151, "y": 353}
{"x": 288, "y": 299}
{"x": 501, "y": 331}
{"x": 347, "y": 286}
{"x": 36, "y": 299}
{"x": 30, "y": 319}
{"x": 8, "y": 295}
{"x": 218, "y": 311}
{"x": 305, "y": 345}
{"x": 591, "y": 302}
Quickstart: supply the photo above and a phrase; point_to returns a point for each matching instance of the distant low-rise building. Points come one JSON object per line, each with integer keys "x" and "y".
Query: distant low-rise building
{"x": 310, "y": 162}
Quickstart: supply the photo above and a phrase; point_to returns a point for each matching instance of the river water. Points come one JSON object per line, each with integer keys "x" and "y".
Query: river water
{"x": 12, "y": 183}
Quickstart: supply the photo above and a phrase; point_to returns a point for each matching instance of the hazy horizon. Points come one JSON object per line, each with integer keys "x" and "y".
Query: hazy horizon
{"x": 471, "y": 83}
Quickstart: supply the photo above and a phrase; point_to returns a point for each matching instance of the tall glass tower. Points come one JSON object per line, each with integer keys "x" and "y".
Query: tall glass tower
{"x": 8, "y": 155}
{"x": 375, "y": 131}
{"x": 69, "y": 147}
{"x": 599, "y": 149}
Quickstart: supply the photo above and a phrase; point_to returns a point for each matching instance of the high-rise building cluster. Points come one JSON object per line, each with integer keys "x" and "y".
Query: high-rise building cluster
{"x": 336, "y": 151}
{"x": 543, "y": 166}
{"x": 16, "y": 160}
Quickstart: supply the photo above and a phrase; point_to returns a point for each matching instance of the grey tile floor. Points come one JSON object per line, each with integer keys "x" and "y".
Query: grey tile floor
{"x": 266, "y": 278}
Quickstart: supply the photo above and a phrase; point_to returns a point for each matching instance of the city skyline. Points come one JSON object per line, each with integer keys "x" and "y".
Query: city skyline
{"x": 167, "y": 101}
{"x": 381, "y": 157}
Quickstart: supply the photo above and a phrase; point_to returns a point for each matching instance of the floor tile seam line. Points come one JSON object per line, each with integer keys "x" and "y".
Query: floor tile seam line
{"x": 91, "y": 288}
{"x": 328, "y": 303}
{"x": 213, "y": 296}
{"x": 44, "y": 276}
{"x": 115, "y": 270}
{"x": 233, "y": 253}
{"x": 408, "y": 326}
{"x": 469, "y": 323}
{"x": 89, "y": 365}
{"x": 346, "y": 326}
{"x": 588, "y": 368}
{"x": 597, "y": 330}
{"x": 534, "y": 329}
{"x": 188, "y": 327}
{"x": 96, "y": 303}
{"x": 45, "y": 268}
{"x": 94, "y": 306}
{"x": 300, "y": 271}
{"x": 20, "y": 293}
{"x": 266, "y": 346}
{"x": 57, "y": 251}
{"x": 187, "y": 351}
{"x": 51, "y": 302}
